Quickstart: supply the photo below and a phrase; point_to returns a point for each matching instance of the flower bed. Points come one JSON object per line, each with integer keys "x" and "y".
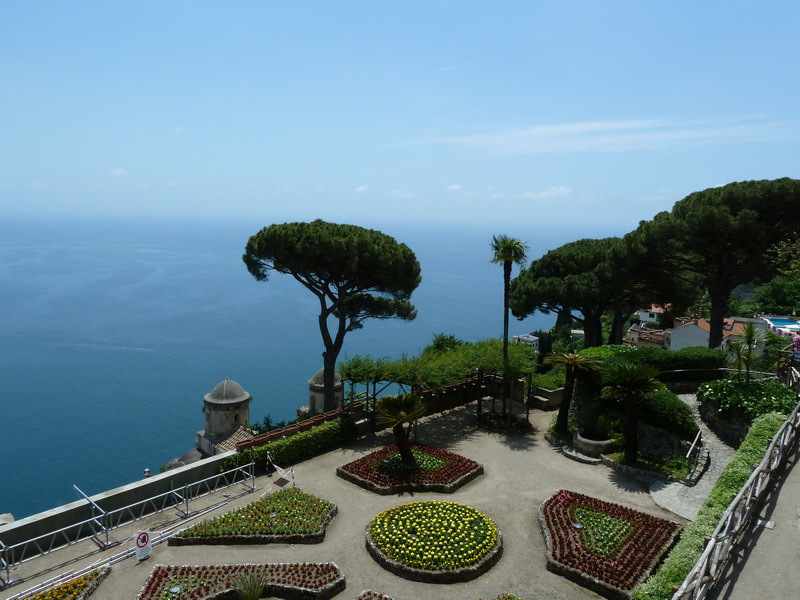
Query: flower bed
{"x": 78, "y": 588}
{"x": 288, "y": 516}
{"x": 311, "y": 581}
{"x": 606, "y": 547}
{"x": 440, "y": 471}
{"x": 434, "y": 541}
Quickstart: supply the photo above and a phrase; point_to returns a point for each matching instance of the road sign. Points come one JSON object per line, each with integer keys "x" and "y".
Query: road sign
{"x": 144, "y": 545}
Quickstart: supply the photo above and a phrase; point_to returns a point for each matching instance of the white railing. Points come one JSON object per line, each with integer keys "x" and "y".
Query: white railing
{"x": 738, "y": 518}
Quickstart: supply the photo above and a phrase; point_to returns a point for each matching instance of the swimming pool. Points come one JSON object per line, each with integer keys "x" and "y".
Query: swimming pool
{"x": 783, "y": 323}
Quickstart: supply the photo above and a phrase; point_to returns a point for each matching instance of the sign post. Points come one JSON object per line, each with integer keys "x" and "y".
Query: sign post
{"x": 144, "y": 545}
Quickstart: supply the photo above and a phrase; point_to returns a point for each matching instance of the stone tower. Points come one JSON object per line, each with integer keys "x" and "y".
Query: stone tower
{"x": 316, "y": 392}
{"x": 227, "y": 407}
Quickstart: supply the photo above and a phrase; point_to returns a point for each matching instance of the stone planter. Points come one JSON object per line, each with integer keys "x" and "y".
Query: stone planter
{"x": 591, "y": 447}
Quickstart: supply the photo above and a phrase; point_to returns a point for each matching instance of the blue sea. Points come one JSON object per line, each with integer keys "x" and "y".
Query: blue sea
{"x": 111, "y": 332}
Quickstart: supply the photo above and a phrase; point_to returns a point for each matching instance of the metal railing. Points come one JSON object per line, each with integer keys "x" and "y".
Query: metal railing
{"x": 738, "y": 518}
{"x": 99, "y": 526}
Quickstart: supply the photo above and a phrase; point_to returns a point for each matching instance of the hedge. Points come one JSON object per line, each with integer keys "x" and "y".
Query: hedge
{"x": 689, "y": 548}
{"x": 692, "y": 364}
{"x": 301, "y": 446}
{"x": 665, "y": 410}
{"x": 739, "y": 399}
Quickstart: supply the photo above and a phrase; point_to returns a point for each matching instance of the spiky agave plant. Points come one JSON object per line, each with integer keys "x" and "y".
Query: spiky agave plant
{"x": 249, "y": 585}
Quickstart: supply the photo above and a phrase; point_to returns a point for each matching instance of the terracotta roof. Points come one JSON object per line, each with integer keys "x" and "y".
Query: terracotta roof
{"x": 729, "y": 326}
{"x": 229, "y": 443}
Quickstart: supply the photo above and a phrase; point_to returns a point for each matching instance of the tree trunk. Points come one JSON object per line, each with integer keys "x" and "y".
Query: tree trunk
{"x": 562, "y": 420}
{"x": 719, "y": 303}
{"x": 506, "y": 291}
{"x": 403, "y": 446}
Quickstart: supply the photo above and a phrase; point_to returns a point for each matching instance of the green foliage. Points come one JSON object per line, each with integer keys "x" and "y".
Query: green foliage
{"x": 665, "y": 410}
{"x": 687, "y": 364}
{"x": 692, "y": 541}
{"x": 400, "y": 409}
{"x": 303, "y": 445}
{"x": 434, "y": 370}
{"x": 739, "y": 399}
{"x": 442, "y": 343}
{"x": 249, "y": 585}
{"x": 552, "y": 380}
{"x": 355, "y": 274}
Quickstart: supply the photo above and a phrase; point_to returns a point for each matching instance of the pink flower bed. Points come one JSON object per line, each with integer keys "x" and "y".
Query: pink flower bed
{"x": 604, "y": 546}
{"x": 298, "y": 580}
{"x": 453, "y": 472}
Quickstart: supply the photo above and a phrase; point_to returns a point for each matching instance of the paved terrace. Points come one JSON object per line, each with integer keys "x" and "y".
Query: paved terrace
{"x": 520, "y": 473}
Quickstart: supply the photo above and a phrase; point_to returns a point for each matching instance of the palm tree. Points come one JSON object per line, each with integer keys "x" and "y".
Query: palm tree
{"x": 628, "y": 383}
{"x": 398, "y": 411}
{"x": 751, "y": 338}
{"x": 508, "y": 251}
{"x": 573, "y": 365}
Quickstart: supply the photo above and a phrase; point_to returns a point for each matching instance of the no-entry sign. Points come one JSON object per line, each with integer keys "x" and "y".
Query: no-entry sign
{"x": 144, "y": 545}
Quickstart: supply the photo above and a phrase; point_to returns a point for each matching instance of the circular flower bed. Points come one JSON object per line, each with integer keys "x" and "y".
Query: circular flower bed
{"x": 604, "y": 546}
{"x": 434, "y": 541}
{"x": 287, "y": 516}
{"x": 382, "y": 472}
{"x": 315, "y": 581}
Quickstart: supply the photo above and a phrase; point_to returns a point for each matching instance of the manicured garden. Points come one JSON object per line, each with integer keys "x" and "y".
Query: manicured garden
{"x": 383, "y": 472}
{"x": 315, "y": 581}
{"x": 287, "y": 516}
{"x": 604, "y": 546}
{"x": 434, "y": 541}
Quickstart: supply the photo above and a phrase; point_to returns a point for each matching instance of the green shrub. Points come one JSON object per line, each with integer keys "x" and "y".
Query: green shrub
{"x": 691, "y": 364}
{"x": 665, "y": 410}
{"x": 551, "y": 380}
{"x": 689, "y": 548}
{"x": 303, "y": 445}
{"x": 738, "y": 399}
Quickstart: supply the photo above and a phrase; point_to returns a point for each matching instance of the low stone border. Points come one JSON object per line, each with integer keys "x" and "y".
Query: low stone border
{"x": 443, "y": 576}
{"x": 94, "y": 583}
{"x": 314, "y": 537}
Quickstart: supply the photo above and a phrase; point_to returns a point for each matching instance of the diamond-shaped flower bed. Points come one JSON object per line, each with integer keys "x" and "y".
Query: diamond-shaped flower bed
{"x": 312, "y": 581}
{"x": 382, "y": 472}
{"x": 603, "y": 546}
{"x": 289, "y": 516}
{"x": 434, "y": 541}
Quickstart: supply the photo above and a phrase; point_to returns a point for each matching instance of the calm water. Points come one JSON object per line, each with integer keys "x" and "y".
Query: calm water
{"x": 112, "y": 331}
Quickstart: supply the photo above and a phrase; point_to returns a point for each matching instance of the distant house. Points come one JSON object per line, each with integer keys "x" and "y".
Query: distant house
{"x": 644, "y": 337}
{"x": 695, "y": 332}
{"x": 653, "y": 314}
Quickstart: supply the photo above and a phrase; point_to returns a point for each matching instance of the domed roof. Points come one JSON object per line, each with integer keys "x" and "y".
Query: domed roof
{"x": 227, "y": 392}
{"x": 317, "y": 379}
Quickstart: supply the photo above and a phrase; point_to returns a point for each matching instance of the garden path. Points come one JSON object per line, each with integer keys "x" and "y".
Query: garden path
{"x": 686, "y": 500}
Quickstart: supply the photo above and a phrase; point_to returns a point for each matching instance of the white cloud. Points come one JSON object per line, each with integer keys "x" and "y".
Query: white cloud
{"x": 362, "y": 188}
{"x": 453, "y": 188}
{"x": 620, "y": 136}
{"x": 118, "y": 172}
{"x": 556, "y": 191}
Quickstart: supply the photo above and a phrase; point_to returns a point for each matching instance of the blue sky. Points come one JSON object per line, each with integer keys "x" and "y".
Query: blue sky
{"x": 596, "y": 113}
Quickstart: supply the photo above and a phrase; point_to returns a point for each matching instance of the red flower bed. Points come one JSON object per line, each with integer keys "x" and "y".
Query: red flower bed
{"x": 604, "y": 546}
{"x": 317, "y": 581}
{"x": 370, "y": 595}
{"x": 452, "y": 471}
